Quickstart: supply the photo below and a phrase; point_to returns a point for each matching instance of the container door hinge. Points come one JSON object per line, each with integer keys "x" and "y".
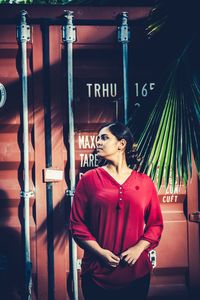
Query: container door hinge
{"x": 123, "y": 30}
{"x": 69, "y": 30}
{"x": 23, "y": 30}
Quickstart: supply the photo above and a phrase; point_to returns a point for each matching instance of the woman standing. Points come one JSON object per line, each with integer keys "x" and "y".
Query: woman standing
{"x": 116, "y": 219}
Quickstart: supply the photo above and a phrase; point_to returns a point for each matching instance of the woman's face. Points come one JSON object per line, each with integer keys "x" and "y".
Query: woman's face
{"x": 108, "y": 145}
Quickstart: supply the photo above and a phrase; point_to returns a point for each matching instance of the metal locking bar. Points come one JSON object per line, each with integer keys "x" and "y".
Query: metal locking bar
{"x": 23, "y": 36}
{"x": 69, "y": 37}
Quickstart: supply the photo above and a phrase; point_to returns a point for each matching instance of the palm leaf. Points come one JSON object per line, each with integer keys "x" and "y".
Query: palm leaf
{"x": 172, "y": 168}
{"x": 171, "y": 133}
{"x": 159, "y": 146}
{"x": 169, "y": 151}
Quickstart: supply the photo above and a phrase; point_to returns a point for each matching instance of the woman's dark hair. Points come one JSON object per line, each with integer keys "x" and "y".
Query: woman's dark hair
{"x": 120, "y": 131}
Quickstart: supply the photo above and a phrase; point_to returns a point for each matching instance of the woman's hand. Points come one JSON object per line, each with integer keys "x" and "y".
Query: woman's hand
{"x": 131, "y": 255}
{"x": 109, "y": 258}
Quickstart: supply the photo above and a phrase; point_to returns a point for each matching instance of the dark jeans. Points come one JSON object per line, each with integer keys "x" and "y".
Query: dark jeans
{"x": 137, "y": 290}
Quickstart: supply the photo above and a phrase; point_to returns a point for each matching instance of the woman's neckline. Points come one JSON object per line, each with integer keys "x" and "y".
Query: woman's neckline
{"x": 115, "y": 180}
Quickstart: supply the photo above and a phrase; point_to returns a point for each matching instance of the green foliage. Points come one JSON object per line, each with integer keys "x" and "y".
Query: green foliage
{"x": 157, "y": 19}
{"x": 171, "y": 134}
{"x": 176, "y": 118}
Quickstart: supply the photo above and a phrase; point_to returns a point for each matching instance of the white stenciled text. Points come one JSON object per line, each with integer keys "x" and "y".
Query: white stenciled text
{"x": 101, "y": 90}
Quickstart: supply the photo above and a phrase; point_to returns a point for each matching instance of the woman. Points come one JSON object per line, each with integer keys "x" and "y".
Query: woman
{"x": 116, "y": 219}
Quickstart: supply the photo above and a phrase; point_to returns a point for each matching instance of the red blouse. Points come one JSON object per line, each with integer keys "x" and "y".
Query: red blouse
{"x": 117, "y": 216}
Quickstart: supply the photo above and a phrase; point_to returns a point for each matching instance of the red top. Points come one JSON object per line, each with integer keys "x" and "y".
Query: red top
{"x": 115, "y": 215}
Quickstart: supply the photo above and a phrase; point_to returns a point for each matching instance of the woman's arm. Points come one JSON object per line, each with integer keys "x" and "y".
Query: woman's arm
{"x": 152, "y": 231}
{"x": 154, "y": 221}
{"x": 80, "y": 231}
{"x": 79, "y": 216}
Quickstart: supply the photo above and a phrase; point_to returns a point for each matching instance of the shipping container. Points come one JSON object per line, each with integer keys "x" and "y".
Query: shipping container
{"x": 98, "y": 98}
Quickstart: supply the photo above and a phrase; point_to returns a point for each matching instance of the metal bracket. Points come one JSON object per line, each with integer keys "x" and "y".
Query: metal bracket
{"x": 69, "y": 30}
{"x": 152, "y": 257}
{"x": 124, "y": 30}
{"x": 29, "y": 194}
{"x": 23, "y": 30}
{"x": 69, "y": 193}
{"x": 78, "y": 264}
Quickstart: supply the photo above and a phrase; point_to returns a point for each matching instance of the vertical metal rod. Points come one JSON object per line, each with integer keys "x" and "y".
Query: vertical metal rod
{"x": 48, "y": 154}
{"x": 125, "y": 80}
{"x": 69, "y": 36}
{"x": 23, "y": 35}
{"x": 124, "y": 37}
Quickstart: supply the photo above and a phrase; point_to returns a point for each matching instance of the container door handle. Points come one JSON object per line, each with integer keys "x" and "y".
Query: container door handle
{"x": 195, "y": 217}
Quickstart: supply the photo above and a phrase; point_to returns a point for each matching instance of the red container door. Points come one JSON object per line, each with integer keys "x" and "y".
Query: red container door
{"x": 11, "y": 168}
